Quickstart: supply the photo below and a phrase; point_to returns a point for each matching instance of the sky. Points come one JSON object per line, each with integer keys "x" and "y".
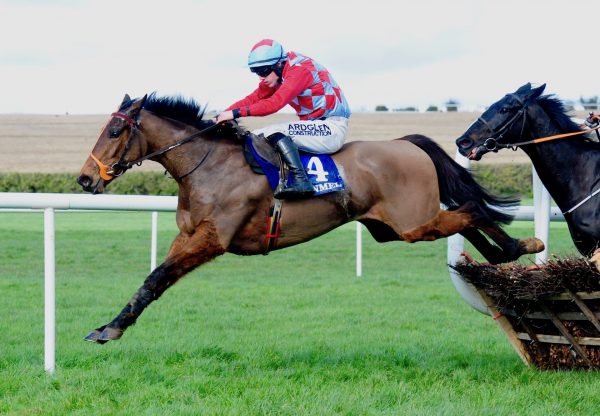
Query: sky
{"x": 81, "y": 57}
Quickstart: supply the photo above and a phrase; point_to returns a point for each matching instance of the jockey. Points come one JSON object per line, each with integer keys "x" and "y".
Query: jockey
{"x": 297, "y": 80}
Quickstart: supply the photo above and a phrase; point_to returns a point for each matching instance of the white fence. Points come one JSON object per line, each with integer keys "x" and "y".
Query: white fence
{"x": 51, "y": 202}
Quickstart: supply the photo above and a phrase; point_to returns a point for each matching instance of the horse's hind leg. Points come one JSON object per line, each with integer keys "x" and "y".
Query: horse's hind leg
{"x": 447, "y": 223}
{"x": 444, "y": 224}
{"x": 490, "y": 252}
{"x": 511, "y": 248}
{"x": 187, "y": 252}
{"x": 466, "y": 220}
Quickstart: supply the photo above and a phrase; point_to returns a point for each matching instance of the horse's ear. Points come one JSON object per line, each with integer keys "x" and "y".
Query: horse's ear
{"x": 536, "y": 92}
{"x": 138, "y": 105}
{"x": 126, "y": 99}
{"x": 524, "y": 88}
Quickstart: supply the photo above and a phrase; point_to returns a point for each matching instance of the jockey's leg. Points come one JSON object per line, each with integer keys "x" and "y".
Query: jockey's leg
{"x": 312, "y": 136}
{"x": 300, "y": 185}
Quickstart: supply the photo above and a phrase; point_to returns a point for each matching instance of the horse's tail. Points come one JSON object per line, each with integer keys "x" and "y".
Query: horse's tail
{"x": 457, "y": 185}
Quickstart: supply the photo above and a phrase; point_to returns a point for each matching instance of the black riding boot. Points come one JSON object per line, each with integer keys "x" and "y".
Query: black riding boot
{"x": 300, "y": 186}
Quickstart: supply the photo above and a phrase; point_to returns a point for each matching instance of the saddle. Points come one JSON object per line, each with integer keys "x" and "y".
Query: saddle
{"x": 264, "y": 160}
{"x": 262, "y": 148}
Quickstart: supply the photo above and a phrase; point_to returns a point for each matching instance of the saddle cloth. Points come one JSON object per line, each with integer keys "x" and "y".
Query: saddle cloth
{"x": 321, "y": 169}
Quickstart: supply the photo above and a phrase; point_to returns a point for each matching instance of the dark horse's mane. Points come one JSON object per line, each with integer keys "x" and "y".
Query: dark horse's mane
{"x": 187, "y": 111}
{"x": 558, "y": 113}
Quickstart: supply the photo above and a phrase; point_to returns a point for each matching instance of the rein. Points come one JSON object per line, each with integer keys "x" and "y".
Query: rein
{"x": 492, "y": 144}
{"x": 119, "y": 167}
{"x": 549, "y": 138}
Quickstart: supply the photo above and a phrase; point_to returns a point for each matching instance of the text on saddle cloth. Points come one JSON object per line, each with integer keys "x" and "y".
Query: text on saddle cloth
{"x": 321, "y": 169}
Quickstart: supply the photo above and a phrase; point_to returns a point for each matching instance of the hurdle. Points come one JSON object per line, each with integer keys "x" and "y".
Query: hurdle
{"x": 549, "y": 314}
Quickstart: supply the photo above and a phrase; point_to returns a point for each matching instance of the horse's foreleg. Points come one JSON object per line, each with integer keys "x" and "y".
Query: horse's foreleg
{"x": 187, "y": 252}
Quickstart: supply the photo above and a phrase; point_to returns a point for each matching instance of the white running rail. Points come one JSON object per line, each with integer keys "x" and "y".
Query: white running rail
{"x": 49, "y": 202}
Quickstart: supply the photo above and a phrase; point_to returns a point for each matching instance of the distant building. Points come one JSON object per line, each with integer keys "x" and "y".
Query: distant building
{"x": 571, "y": 105}
{"x": 589, "y": 104}
{"x": 406, "y": 109}
{"x": 452, "y": 105}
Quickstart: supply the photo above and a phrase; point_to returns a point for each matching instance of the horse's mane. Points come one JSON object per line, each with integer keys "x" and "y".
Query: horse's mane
{"x": 558, "y": 113}
{"x": 187, "y": 111}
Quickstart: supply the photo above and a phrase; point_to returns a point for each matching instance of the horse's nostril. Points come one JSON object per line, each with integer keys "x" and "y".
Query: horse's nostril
{"x": 84, "y": 180}
{"x": 464, "y": 143}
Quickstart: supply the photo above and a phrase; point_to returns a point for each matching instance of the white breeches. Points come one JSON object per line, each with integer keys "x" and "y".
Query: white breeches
{"x": 314, "y": 136}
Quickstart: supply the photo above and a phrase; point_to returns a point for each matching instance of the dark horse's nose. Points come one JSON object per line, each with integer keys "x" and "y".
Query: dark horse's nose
{"x": 464, "y": 143}
{"x": 85, "y": 182}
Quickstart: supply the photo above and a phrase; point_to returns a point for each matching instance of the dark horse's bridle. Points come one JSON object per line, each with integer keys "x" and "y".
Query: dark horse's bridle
{"x": 492, "y": 143}
{"x": 121, "y": 166}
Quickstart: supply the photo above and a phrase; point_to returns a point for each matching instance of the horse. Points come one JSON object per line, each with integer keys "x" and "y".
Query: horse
{"x": 394, "y": 188}
{"x": 565, "y": 158}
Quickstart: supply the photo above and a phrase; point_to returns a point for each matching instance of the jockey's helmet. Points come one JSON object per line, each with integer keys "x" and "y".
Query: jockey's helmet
{"x": 264, "y": 56}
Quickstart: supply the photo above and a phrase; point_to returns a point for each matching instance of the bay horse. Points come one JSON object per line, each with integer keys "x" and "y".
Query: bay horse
{"x": 566, "y": 160}
{"x": 394, "y": 188}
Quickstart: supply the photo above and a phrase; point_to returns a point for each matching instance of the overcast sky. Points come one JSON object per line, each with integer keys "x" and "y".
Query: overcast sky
{"x": 81, "y": 57}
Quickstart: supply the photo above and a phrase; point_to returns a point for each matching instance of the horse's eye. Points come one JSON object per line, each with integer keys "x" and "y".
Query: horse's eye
{"x": 504, "y": 110}
{"x": 113, "y": 134}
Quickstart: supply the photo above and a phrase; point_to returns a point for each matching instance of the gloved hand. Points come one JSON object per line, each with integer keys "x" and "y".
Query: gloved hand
{"x": 592, "y": 121}
{"x": 224, "y": 116}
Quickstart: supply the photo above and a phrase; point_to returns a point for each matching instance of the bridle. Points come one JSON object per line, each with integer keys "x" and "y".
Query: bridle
{"x": 492, "y": 143}
{"x": 121, "y": 166}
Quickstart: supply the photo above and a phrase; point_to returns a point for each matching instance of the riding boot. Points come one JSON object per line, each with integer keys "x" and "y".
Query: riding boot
{"x": 300, "y": 186}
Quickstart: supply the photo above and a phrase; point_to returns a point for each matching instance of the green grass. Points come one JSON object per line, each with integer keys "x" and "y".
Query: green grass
{"x": 292, "y": 333}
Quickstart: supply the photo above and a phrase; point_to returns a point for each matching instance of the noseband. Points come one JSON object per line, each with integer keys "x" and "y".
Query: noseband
{"x": 119, "y": 167}
{"x": 492, "y": 143}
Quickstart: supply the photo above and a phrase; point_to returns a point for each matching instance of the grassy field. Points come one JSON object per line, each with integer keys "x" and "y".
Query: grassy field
{"x": 292, "y": 333}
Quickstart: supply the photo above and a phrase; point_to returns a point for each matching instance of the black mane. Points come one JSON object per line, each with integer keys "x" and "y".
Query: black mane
{"x": 186, "y": 111}
{"x": 558, "y": 113}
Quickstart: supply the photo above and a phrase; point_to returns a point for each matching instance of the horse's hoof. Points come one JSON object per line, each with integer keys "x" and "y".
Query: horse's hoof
{"x": 110, "y": 334}
{"x": 532, "y": 245}
{"x": 467, "y": 258}
{"x": 94, "y": 336}
{"x": 595, "y": 259}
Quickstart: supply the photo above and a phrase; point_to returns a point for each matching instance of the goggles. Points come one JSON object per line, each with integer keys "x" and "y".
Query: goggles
{"x": 262, "y": 71}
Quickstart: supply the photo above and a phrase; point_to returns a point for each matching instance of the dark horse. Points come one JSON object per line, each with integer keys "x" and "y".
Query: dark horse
{"x": 394, "y": 188}
{"x": 568, "y": 165}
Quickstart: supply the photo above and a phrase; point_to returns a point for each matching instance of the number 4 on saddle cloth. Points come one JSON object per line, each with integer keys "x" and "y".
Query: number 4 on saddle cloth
{"x": 321, "y": 169}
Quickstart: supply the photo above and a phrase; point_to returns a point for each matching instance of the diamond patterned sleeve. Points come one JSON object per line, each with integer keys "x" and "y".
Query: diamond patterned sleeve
{"x": 296, "y": 81}
{"x": 263, "y": 91}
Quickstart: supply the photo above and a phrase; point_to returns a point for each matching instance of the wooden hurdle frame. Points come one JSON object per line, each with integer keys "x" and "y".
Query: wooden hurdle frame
{"x": 561, "y": 313}
{"x": 565, "y": 313}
